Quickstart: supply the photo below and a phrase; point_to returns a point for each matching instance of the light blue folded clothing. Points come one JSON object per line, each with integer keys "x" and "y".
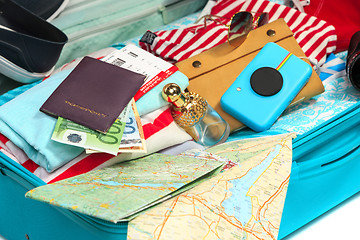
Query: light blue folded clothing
{"x": 31, "y": 130}
{"x": 11, "y": 94}
{"x": 153, "y": 100}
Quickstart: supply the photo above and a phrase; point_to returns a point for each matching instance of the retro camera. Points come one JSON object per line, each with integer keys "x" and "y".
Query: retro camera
{"x": 266, "y": 87}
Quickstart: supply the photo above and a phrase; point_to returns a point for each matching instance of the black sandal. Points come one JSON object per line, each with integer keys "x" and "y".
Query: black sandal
{"x": 29, "y": 45}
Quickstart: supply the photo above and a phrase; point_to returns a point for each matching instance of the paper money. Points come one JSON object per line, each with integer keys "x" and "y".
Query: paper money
{"x": 71, "y": 133}
{"x": 133, "y": 139}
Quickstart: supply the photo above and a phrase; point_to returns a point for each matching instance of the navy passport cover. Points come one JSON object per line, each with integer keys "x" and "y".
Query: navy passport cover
{"x": 94, "y": 94}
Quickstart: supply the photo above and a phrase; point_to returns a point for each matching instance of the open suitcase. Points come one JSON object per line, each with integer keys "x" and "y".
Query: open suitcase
{"x": 324, "y": 173}
{"x": 96, "y": 24}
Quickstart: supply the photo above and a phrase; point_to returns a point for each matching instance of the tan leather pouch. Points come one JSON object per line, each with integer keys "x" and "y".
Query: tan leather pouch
{"x": 213, "y": 71}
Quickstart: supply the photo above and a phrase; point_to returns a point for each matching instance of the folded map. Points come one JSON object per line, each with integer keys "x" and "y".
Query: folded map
{"x": 120, "y": 191}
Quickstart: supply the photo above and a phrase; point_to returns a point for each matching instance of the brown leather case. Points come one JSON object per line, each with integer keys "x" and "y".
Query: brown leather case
{"x": 213, "y": 71}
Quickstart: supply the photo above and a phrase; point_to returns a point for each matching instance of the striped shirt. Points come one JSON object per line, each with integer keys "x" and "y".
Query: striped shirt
{"x": 316, "y": 37}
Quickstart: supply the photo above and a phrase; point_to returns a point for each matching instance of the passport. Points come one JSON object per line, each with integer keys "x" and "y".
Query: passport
{"x": 94, "y": 94}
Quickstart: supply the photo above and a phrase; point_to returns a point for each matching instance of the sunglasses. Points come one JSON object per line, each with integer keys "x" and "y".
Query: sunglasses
{"x": 241, "y": 23}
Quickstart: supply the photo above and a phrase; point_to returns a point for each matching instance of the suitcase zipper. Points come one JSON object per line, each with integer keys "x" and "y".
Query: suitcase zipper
{"x": 78, "y": 5}
{"x": 18, "y": 173}
{"x": 2, "y": 170}
{"x": 73, "y": 37}
{"x": 103, "y": 28}
{"x": 326, "y": 126}
{"x": 7, "y": 168}
{"x": 342, "y": 129}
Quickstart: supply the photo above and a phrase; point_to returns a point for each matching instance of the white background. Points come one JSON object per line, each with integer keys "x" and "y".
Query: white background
{"x": 340, "y": 223}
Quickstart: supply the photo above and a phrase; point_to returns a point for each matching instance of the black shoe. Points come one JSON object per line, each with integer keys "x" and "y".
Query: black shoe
{"x": 29, "y": 45}
{"x": 46, "y": 9}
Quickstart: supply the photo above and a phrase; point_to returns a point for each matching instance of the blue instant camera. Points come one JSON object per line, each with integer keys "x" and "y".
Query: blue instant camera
{"x": 266, "y": 87}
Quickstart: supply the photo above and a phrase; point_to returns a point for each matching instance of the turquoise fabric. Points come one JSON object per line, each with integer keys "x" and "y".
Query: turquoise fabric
{"x": 15, "y": 92}
{"x": 31, "y": 130}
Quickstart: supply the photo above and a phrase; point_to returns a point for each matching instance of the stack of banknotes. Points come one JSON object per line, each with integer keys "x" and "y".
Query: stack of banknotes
{"x": 125, "y": 135}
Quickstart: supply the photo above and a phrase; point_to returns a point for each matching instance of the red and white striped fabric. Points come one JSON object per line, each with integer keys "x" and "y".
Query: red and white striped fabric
{"x": 316, "y": 37}
{"x": 160, "y": 132}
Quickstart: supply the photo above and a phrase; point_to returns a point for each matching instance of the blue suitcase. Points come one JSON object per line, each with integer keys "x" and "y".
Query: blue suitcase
{"x": 322, "y": 156}
{"x": 324, "y": 173}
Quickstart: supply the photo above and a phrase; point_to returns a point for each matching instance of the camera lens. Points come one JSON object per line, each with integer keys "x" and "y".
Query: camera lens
{"x": 266, "y": 81}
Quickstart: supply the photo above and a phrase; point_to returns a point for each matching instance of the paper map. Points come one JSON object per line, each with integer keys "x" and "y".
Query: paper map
{"x": 243, "y": 202}
{"x": 117, "y": 192}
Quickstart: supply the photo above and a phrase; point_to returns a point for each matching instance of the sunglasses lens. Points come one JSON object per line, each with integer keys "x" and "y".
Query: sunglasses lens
{"x": 263, "y": 19}
{"x": 241, "y": 24}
